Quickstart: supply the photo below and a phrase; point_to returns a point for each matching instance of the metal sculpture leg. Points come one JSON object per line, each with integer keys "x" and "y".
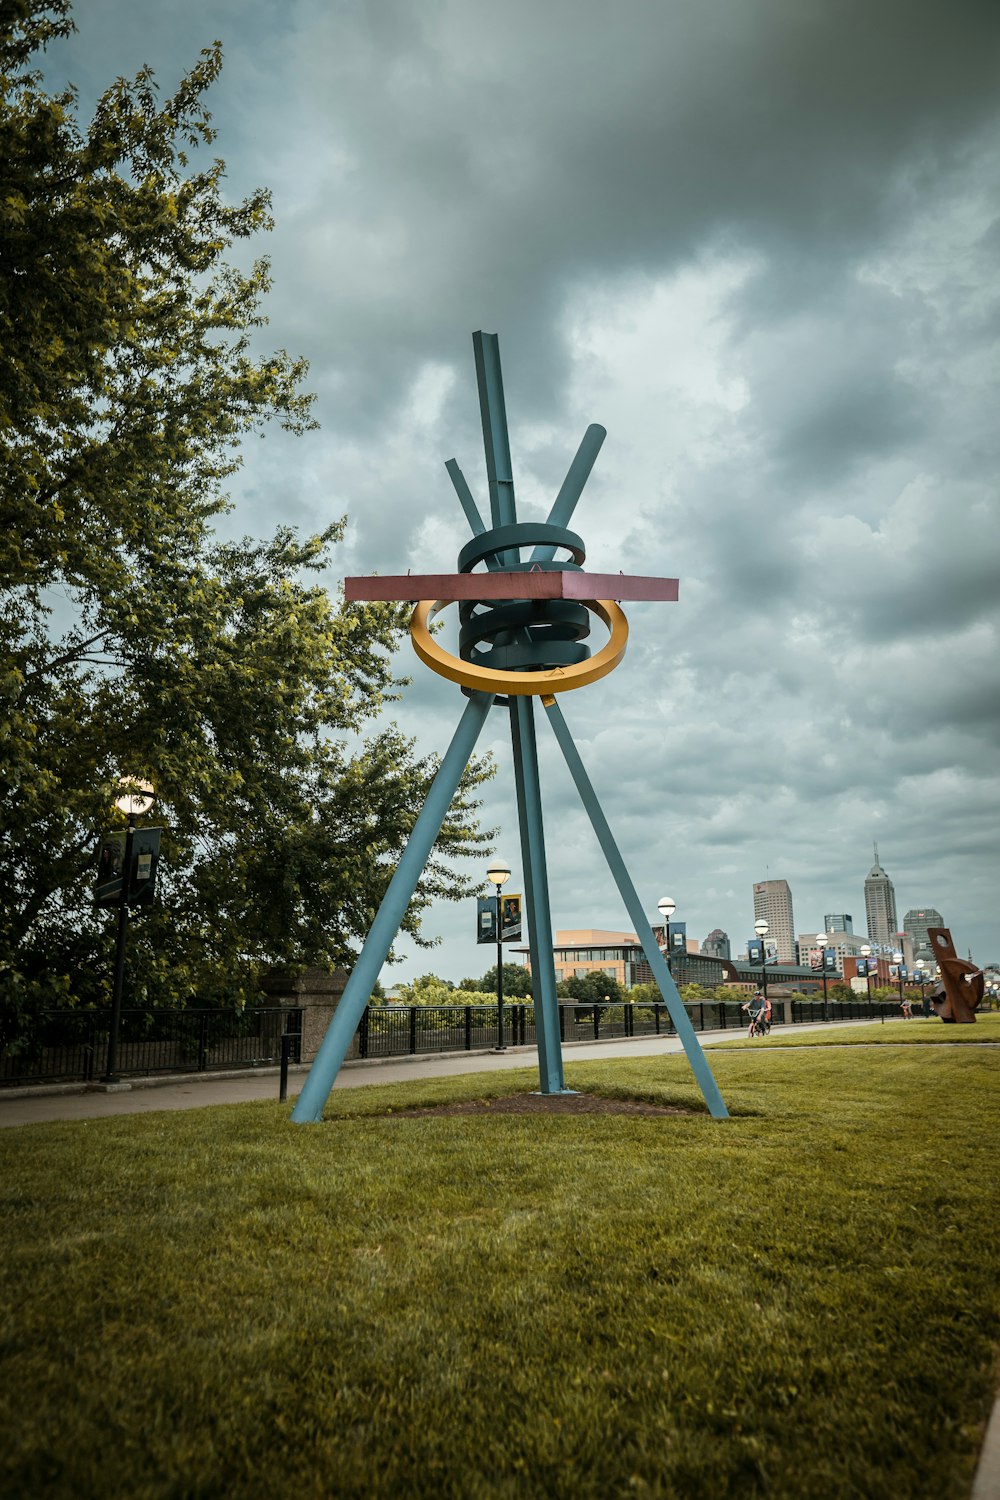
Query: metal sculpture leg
{"x": 536, "y": 890}
{"x": 357, "y": 992}
{"x": 662, "y": 975}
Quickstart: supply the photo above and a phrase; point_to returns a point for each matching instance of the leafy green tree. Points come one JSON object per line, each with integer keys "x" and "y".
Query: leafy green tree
{"x": 427, "y": 989}
{"x": 135, "y": 642}
{"x": 695, "y": 992}
{"x": 516, "y": 982}
{"x": 592, "y": 988}
{"x": 645, "y": 994}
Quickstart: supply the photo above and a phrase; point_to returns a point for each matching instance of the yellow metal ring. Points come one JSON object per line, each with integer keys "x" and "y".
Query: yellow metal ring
{"x": 520, "y": 684}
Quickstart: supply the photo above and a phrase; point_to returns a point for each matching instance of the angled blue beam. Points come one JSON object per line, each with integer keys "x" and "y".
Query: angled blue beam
{"x": 572, "y": 486}
{"x": 661, "y": 973}
{"x": 334, "y": 1046}
{"x": 536, "y": 893}
{"x": 475, "y": 520}
{"x": 499, "y": 471}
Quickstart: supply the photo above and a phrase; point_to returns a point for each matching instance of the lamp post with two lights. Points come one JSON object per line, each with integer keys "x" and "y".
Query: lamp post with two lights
{"x": 498, "y": 874}
{"x": 760, "y": 927}
{"x": 135, "y": 798}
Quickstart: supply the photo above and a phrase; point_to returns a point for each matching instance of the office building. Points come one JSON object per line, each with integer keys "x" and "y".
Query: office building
{"x": 916, "y": 923}
{"x": 880, "y": 905}
{"x": 844, "y": 944}
{"x": 772, "y": 900}
{"x": 716, "y": 945}
{"x": 581, "y": 951}
{"x": 838, "y": 922}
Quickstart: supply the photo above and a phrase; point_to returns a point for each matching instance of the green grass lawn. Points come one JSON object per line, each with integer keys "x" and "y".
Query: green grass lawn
{"x": 801, "y": 1301}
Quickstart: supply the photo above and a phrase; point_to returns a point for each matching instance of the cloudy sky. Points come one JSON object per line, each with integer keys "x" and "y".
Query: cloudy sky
{"x": 758, "y": 241}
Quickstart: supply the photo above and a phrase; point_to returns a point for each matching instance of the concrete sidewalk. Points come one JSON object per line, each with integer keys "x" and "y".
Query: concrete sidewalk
{"x": 194, "y": 1090}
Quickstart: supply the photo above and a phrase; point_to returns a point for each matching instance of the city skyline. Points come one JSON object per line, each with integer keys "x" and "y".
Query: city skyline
{"x": 792, "y": 351}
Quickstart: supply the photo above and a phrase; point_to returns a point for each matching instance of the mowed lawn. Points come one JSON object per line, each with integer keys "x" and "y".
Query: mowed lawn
{"x": 799, "y": 1301}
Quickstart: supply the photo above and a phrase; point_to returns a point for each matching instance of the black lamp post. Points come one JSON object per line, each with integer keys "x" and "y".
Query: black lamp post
{"x": 821, "y": 938}
{"x": 760, "y": 927}
{"x": 498, "y": 874}
{"x": 136, "y": 798}
{"x": 666, "y": 906}
{"x": 897, "y": 959}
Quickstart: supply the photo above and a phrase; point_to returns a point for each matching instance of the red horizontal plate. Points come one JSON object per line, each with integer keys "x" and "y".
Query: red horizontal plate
{"x": 534, "y": 585}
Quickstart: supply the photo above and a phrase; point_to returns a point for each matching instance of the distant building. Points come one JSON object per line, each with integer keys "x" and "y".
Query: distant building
{"x": 716, "y": 945}
{"x": 916, "y": 923}
{"x": 838, "y": 922}
{"x": 772, "y": 900}
{"x": 585, "y": 950}
{"x": 880, "y": 905}
{"x": 844, "y": 944}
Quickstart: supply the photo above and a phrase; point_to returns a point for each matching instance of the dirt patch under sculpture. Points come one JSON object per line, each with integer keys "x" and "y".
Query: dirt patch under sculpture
{"x": 547, "y": 1104}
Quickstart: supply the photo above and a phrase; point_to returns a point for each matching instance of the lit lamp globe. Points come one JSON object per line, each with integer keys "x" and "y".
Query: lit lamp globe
{"x": 666, "y": 906}
{"x": 134, "y": 797}
{"x": 498, "y": 873}
{"x": 761, "y": 928}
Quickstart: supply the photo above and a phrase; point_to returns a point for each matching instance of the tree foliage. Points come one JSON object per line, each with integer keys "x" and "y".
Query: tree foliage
{"x": 134, "y": 641}
{"x": 593, "y": 988}
{"x": 516, "y": 982}
{"x": 428, "y": 989}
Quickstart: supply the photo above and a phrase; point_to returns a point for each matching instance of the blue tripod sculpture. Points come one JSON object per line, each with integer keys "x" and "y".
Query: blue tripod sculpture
{"x": 524, "y": 625}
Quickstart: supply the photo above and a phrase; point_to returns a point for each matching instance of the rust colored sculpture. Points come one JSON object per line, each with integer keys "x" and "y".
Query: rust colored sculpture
{"x": 955, "y": 998}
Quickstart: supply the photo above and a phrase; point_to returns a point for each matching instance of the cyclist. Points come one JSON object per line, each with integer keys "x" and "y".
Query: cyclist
{"x": 755, "y": 1007}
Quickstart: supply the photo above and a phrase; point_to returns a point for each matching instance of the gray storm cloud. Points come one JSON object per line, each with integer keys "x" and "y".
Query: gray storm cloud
{"x": 758, "y": 242}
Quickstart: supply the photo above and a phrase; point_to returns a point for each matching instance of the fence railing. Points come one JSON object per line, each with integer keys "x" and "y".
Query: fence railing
{"x": 407, "y": 1030}
{"x": 72, "y": 1046}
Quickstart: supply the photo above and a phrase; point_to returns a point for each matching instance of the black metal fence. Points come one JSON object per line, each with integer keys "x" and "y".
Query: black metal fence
{"x": 72, "y": 1046}
{"x": 407, "y": 1030}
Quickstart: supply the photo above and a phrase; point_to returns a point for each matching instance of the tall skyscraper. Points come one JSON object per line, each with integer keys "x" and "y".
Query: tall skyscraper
{"x": 838, "y": 922}
{"x": 717, "y": 944}
{"x": 772, "y": 900}
{"x": 916, "y": 923}
{"x": 880, "y": 905}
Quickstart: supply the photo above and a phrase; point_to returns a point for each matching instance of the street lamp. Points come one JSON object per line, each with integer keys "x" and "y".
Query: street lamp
{"x": 666, "y": 906}
{"x": 866, "y": 954}
{"x": 134, "y": 799}
{"x": 498, "y": 874}
{"x": 760, "y": 927}
{"x": 897, "y": 959}
{"x": 822, "y": 938}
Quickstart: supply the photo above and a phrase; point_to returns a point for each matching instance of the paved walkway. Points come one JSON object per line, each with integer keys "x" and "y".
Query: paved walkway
{"x": 76, "y": 1102}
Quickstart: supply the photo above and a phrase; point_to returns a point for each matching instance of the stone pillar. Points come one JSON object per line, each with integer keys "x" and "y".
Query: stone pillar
{"x": 317, "y": 993}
